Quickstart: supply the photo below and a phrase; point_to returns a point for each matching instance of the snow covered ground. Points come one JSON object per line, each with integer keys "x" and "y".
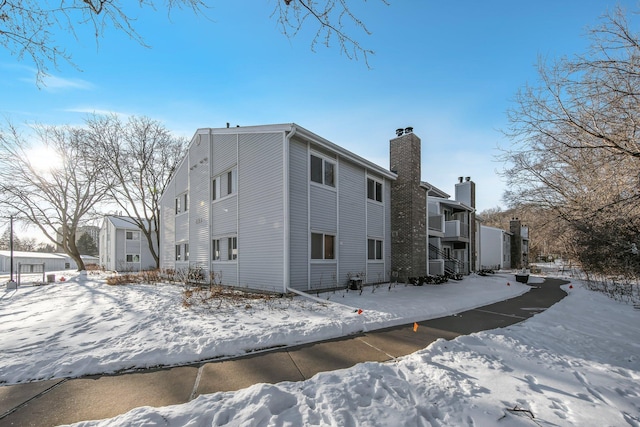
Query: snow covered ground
{"x": 576, "y": 364}
{"x": 83, "y": 326}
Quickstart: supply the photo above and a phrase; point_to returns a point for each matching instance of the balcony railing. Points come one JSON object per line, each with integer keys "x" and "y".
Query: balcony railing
{"x": 436, "y": 267}
{"x": 456, "y": 229}
{"x": 436, "y": 223}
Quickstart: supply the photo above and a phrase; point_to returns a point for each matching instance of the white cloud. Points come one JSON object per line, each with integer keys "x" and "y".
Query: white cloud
{"x": 56, "y": 84}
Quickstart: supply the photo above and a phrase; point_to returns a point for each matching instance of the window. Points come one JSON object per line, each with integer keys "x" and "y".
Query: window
{"x": 374, "y": 249}
{"x": 374, "y": 190}
{"x": 322, "y": 171}
{"x": 328, "y": 174}
{"x": 224, "y": 185}
{"x": 233, "y": 248}
{"x": 133, "y": 258}
{"x": 133, "y": 235}
{"x": 181, "y": 203}
{"x": 316, "y": 169}
{"x": 182, "y": 252}
{"x": 322, "y": 246}
{"x": 215, "y": 250}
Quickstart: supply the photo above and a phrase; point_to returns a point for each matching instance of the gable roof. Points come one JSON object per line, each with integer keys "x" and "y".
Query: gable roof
{"x": 293, "y": 129}
{"x": 433, "y": 191}
{"x": 119, "y": 221}
{"x": 39, "y": 255}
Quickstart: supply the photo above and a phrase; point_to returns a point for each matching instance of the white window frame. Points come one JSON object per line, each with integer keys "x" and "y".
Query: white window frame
{"x": 182, "y": 203}
{"x": 232, "y": 248}
{"x": 133, "y": 256}
{"x": 215, "y": 189}
{"x": 325, "y": 161}
{"x": 182, "y": 252}
{"x": 378, "y": 189}
{"x": 378, "y": 249}
{"x": 324, "y": 248}
{"x": 215, "y": 250}
{"x": 232, "y": 184}
{"x": 135, "y": 235}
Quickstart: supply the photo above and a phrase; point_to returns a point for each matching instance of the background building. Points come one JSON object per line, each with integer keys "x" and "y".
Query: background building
{"x": 123, "y": 247}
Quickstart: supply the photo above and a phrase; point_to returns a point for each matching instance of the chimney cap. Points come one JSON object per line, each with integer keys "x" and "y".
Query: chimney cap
{"x": 399, "y": 131}
{"x": 408, "y": 129}
{"x": 468, "y": 179}
{"x": 459, "y": 179}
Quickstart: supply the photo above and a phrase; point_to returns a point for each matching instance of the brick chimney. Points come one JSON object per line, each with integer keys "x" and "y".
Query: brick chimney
{"x": 408, "y": 207}
{"x": 466, "y": 193}
{"x": 515, "y": 227}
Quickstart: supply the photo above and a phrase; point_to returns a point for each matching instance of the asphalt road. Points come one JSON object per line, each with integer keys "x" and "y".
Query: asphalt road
{"x": 64, "y": 401}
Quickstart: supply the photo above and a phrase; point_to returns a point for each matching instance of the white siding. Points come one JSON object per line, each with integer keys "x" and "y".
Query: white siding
{"x": 181, "y": 178}
{"x": 225, "y": 272}
{"x": 298, "y": 215}
{"x": 198, "y": 198}
{"x": 224, "y": 217}
{"x": 387, "y": 231}
{"x": 323, "y": 275}
{"x": 167, "y": 229}
{"x": 323, "y": 208}
{"x": 376, "y": 272}
{"x": 352, "y": 239}
{"x": 375, "y": 219}
{"x": 224, "y": 153}
{"x": 261, "y": 215}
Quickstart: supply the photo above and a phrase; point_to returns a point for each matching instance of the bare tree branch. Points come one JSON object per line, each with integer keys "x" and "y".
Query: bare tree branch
{"x": 576, "y": 145}
{"x": 138, "y": 158}
{"x": 58, "y": 197}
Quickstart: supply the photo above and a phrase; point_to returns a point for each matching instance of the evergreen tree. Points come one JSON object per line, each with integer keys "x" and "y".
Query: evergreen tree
{"x": 5, "y": 241}
{"x": 87, "y": 246}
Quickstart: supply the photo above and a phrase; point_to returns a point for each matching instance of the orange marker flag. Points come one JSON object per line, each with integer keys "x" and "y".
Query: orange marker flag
{"x": 359, "y": 311}
{"x": 415, "y": 327}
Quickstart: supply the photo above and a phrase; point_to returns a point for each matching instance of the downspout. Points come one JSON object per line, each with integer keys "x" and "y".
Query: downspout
{"x": 426, "y": 201}
{"x": 286, "y": 213}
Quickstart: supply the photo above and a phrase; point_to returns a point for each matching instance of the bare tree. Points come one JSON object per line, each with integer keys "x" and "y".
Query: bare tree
{"x": 138, "y": 157}
{"x": 576, "y": 146}
{"x": 56, "y": 197}
{"x": 332, "y": 19}
{"x": 28, "y": 28}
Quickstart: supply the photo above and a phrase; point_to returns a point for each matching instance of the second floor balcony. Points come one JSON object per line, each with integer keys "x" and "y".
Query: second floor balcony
{"x": 456, "y": 231}
{"x": 436, "y": 224}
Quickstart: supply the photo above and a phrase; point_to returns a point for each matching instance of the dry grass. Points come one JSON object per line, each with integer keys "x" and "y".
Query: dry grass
{"x": 218, "y": 296}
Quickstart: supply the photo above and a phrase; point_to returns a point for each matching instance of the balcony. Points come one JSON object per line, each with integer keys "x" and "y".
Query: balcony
{"x": 456, "y": 231}
{"x": 436, "y": 267}
{"x": 436, "y": 225}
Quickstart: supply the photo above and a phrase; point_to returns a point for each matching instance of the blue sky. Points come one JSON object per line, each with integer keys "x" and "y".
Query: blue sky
{"x": 448, "y": 69}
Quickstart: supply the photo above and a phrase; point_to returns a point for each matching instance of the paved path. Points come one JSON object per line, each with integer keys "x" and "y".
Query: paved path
{"x": 64, "y": 401}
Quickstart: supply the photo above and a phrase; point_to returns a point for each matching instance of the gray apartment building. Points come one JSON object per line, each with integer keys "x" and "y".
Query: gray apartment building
{"x": 275, "y": 208}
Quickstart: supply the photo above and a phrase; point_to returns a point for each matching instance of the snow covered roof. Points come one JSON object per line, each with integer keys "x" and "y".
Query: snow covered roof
{"x": 453, "y": 203}
{"x": 495, "y": 229}
{"x": 433, "y": 191}
{"x": 122, "y": 221}
{"x": 21, "y": 254}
